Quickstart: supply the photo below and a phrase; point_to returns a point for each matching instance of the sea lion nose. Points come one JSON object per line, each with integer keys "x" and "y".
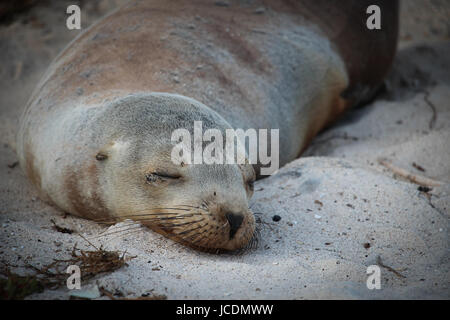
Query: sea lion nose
{"x": 235, "y": 221}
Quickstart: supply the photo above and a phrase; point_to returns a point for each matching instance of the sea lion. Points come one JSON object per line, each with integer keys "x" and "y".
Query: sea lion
{"x": 95, "y": 137}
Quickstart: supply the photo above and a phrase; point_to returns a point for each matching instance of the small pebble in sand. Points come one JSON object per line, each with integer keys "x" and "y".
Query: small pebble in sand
{"x": 222, "y": 3}
{"x": 259, "y": 10}
{"x": 424, "y": 189}
{"x": 318, "y": 202}
{"x": 276, "y": 218}
{"x": 317, "y": 216}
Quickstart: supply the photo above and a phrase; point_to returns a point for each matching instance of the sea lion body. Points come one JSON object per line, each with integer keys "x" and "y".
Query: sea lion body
{"x": 100, "y": 120}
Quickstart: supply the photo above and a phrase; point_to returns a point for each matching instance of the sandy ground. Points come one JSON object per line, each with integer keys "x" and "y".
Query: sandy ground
{"x": 340, "y": 210}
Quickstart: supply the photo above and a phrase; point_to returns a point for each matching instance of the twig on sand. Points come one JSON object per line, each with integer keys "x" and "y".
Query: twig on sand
{"x": 13, "y": 165}
{"x": 420, "y": 168}
{"x": 380, "y": 263}
{"x": 344, "y": 136}
{"x": 433, "y": 109}
{"x": 149, "y": 297}
{"x": 414, "y": 178}
{"x": 18, "y": 71}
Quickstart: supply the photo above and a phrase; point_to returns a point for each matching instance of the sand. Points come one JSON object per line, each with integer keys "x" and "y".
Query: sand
{"x": 341, "y": 211}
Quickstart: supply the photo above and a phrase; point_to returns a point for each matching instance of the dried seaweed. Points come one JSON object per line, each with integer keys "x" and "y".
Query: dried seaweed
{"x": 149, "y": 297}
{"x": 52, "y": 276}
{"x": 91, "y": 263}
{"x": 61, "y": 229}
{"x": 16, "y": 287}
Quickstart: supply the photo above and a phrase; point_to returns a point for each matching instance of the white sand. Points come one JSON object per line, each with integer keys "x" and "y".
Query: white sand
{"x": 331, "y": 202}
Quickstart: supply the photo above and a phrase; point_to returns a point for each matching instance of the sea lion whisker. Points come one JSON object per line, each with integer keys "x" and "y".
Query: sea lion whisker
{"x": 188, "y": 231}
{"x": 188, "y": 206}
{"x": 253, "y": 243}
{"x": 203, "y": 241}
{"x": 176, "y": 217}
{"x": 107, "y": 222}
{"x": 175, "y": 225}
{"x": 125, "y": 234}
{"x": 125, "y": 224}
{"x": 118, "y": 231}
{"x": 156, "y": 219}
{"x": 133, "y": 226}
{"x": 150, "y": 213}
{"x": 145, "y": 217}
{"x": 140, "y": 215}
{"x": 200, "y": 239}
{"x": 179, "y": 216}
{"x": 205, "y": 204}
{"x": 193, "y": 239}
{"x": 175, "y": 207}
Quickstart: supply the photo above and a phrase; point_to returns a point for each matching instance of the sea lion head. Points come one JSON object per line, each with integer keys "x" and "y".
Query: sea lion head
{"x": 205, "y": 206}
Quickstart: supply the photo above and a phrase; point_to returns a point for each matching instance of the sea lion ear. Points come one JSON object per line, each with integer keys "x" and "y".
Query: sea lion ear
{"x": 104, "y": 152}
{"x": 101, "y": 155}
{"x": 111, "y": 148}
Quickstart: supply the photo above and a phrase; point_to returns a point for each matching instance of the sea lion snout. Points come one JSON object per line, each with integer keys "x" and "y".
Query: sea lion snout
{"x": 227, "y": 219}
{"x": 241, "y": 230}
{"x": 235, "y": 221}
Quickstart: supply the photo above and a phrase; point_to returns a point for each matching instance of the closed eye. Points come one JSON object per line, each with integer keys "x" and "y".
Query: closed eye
{"x": 155, "y": 176}
{"x": 167, "y": 175}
